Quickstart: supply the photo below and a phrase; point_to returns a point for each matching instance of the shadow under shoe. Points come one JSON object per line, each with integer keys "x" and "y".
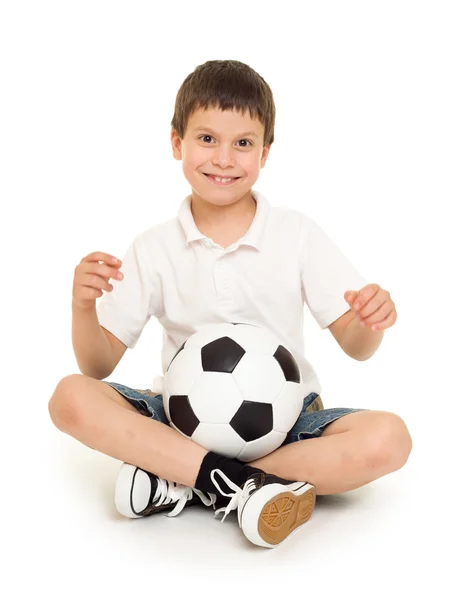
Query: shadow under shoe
{"x": 139, "y": 493}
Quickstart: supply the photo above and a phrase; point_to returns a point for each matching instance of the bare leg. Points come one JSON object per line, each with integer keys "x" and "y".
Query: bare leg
{"x": 94, "y": 413}
{"x": 351, "y": 452}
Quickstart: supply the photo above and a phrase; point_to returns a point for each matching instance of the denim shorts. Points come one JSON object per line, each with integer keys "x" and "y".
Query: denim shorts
{"x": 310, "y": 424}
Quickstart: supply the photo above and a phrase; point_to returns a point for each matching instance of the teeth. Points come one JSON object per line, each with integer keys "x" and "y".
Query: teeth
{"x": 225, "y": 180}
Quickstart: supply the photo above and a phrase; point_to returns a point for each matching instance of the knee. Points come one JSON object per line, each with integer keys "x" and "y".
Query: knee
{"x": 65, "y": 404}
{"x": 391, "y": 442}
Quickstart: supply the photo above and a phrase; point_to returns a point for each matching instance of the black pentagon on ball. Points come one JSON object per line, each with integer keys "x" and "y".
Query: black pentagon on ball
{"x": 182, "y": 414}
{"x": 288, "y": 364}
{"x": 221, "y": 355}
{"x": 253, "y": 420}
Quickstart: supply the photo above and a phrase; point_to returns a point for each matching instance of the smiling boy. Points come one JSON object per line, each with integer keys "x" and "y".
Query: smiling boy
{"x": 228, "y": 256}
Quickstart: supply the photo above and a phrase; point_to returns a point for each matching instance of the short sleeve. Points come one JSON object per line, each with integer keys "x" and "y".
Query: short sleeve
{"x": 326, "y": 274}
{"x": 133, "y": 300}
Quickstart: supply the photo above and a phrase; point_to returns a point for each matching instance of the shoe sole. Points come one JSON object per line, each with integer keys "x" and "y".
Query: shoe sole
{"x": 278, "y": 516}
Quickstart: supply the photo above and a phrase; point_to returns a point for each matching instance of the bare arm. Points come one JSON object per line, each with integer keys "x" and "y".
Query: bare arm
{"x": 93, "y": 351}
{"x": 360, "y": 342}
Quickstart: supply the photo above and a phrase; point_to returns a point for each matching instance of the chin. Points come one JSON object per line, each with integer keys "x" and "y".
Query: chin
{"x": 219, "y": 201}
{"x": 219, "y": 197}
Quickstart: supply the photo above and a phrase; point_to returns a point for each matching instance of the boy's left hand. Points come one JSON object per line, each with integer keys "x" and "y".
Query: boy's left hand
{"x": 373, "y": 306}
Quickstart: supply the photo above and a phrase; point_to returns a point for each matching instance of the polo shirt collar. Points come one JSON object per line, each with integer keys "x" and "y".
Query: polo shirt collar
{"x": 253, "y": 236}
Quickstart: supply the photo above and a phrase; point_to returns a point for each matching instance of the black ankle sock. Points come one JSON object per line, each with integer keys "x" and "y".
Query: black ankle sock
{"x": 234, "y": 469}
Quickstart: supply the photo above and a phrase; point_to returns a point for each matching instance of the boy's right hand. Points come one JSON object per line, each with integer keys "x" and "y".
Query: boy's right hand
{"x": 91, "y": 278}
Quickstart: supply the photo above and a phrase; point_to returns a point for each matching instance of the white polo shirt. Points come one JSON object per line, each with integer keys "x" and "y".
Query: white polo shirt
{"x": 184, "y": 279}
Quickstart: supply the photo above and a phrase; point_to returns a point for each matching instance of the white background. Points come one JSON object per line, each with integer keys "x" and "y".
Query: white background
{"x": 365, "y": 143}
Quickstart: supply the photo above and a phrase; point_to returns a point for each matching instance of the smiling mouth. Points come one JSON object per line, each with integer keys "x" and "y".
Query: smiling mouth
{"x": 221, "y": 177}
{"x": 231, "y": 181}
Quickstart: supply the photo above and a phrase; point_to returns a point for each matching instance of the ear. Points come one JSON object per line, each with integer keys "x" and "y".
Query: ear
{"x": 176, "y": 144}
{"x": 265, "y": 153}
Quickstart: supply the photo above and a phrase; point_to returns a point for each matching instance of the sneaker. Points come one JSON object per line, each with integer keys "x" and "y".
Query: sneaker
{"x": 269, "y": 508}
{"x": 140, "y": 494}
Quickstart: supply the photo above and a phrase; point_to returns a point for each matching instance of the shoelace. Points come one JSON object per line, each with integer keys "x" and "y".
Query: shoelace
{"x": 238, "y": 495}
{"x": 169, "y": 492}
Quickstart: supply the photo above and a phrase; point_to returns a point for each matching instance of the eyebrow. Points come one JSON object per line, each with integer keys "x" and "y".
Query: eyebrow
{"x": 253, "y": 133}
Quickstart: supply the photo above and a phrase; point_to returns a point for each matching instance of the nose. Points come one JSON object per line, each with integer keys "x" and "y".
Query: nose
{"x": 224, "y": 157}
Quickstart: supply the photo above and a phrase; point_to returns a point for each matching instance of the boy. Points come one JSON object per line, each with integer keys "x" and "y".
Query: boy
{"x": 227, "y": 257}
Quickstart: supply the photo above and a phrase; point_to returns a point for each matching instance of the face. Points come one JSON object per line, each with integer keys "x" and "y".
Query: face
{"x": 223, "y": 143}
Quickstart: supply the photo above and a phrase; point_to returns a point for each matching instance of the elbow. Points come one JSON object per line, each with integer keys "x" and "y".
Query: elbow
{"x": 357, "y": 358}
{"x": 363, "y": 344}
{"x": 362, "y": 357}
{"x": 92, "y": 372}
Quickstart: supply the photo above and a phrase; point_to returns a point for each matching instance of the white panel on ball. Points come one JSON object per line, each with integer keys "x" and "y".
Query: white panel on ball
{"x": 287, "y": 407}
{"x": 188, "y": 365}
{"x": 166, "y": 405}
{"x": 219, "y": 438}
{"x": 215, "y": 390}
{"x": 262, "y": 446}
{"x": 259, "y": 377}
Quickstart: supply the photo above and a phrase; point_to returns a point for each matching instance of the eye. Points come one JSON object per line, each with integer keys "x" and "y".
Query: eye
{"x": 205, "y": 135}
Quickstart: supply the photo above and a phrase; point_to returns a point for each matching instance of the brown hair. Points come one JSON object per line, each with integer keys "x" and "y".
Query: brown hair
{"x": 228, "y": 85}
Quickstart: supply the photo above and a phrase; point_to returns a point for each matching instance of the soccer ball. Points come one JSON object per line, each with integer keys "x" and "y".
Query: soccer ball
{"x": 234, "y": 389}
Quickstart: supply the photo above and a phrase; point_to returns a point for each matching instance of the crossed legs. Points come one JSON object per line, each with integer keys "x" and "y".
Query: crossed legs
{"x": 352, "y": 451}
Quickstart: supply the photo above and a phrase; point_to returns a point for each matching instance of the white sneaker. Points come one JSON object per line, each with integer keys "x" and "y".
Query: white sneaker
{"x": 269, "y": 508}
{"x": 139, "y": 493}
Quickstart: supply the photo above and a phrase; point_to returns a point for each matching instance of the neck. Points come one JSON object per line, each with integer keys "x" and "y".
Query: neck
{"x": 214, "y": 216}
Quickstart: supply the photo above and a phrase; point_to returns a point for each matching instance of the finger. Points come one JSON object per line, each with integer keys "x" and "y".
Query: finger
{"x": 387, "y": 322}
{"x": 101, "y": 269}
{"x": 350, "y": 297}
{"x": 102, "y": 256}
{"x": 94, "y": 281}
{"x": 363, "y": 296}
{"x": 379, "y": 316}
{"x": 105, "y": 271}
{"x": 371, "y": 304}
